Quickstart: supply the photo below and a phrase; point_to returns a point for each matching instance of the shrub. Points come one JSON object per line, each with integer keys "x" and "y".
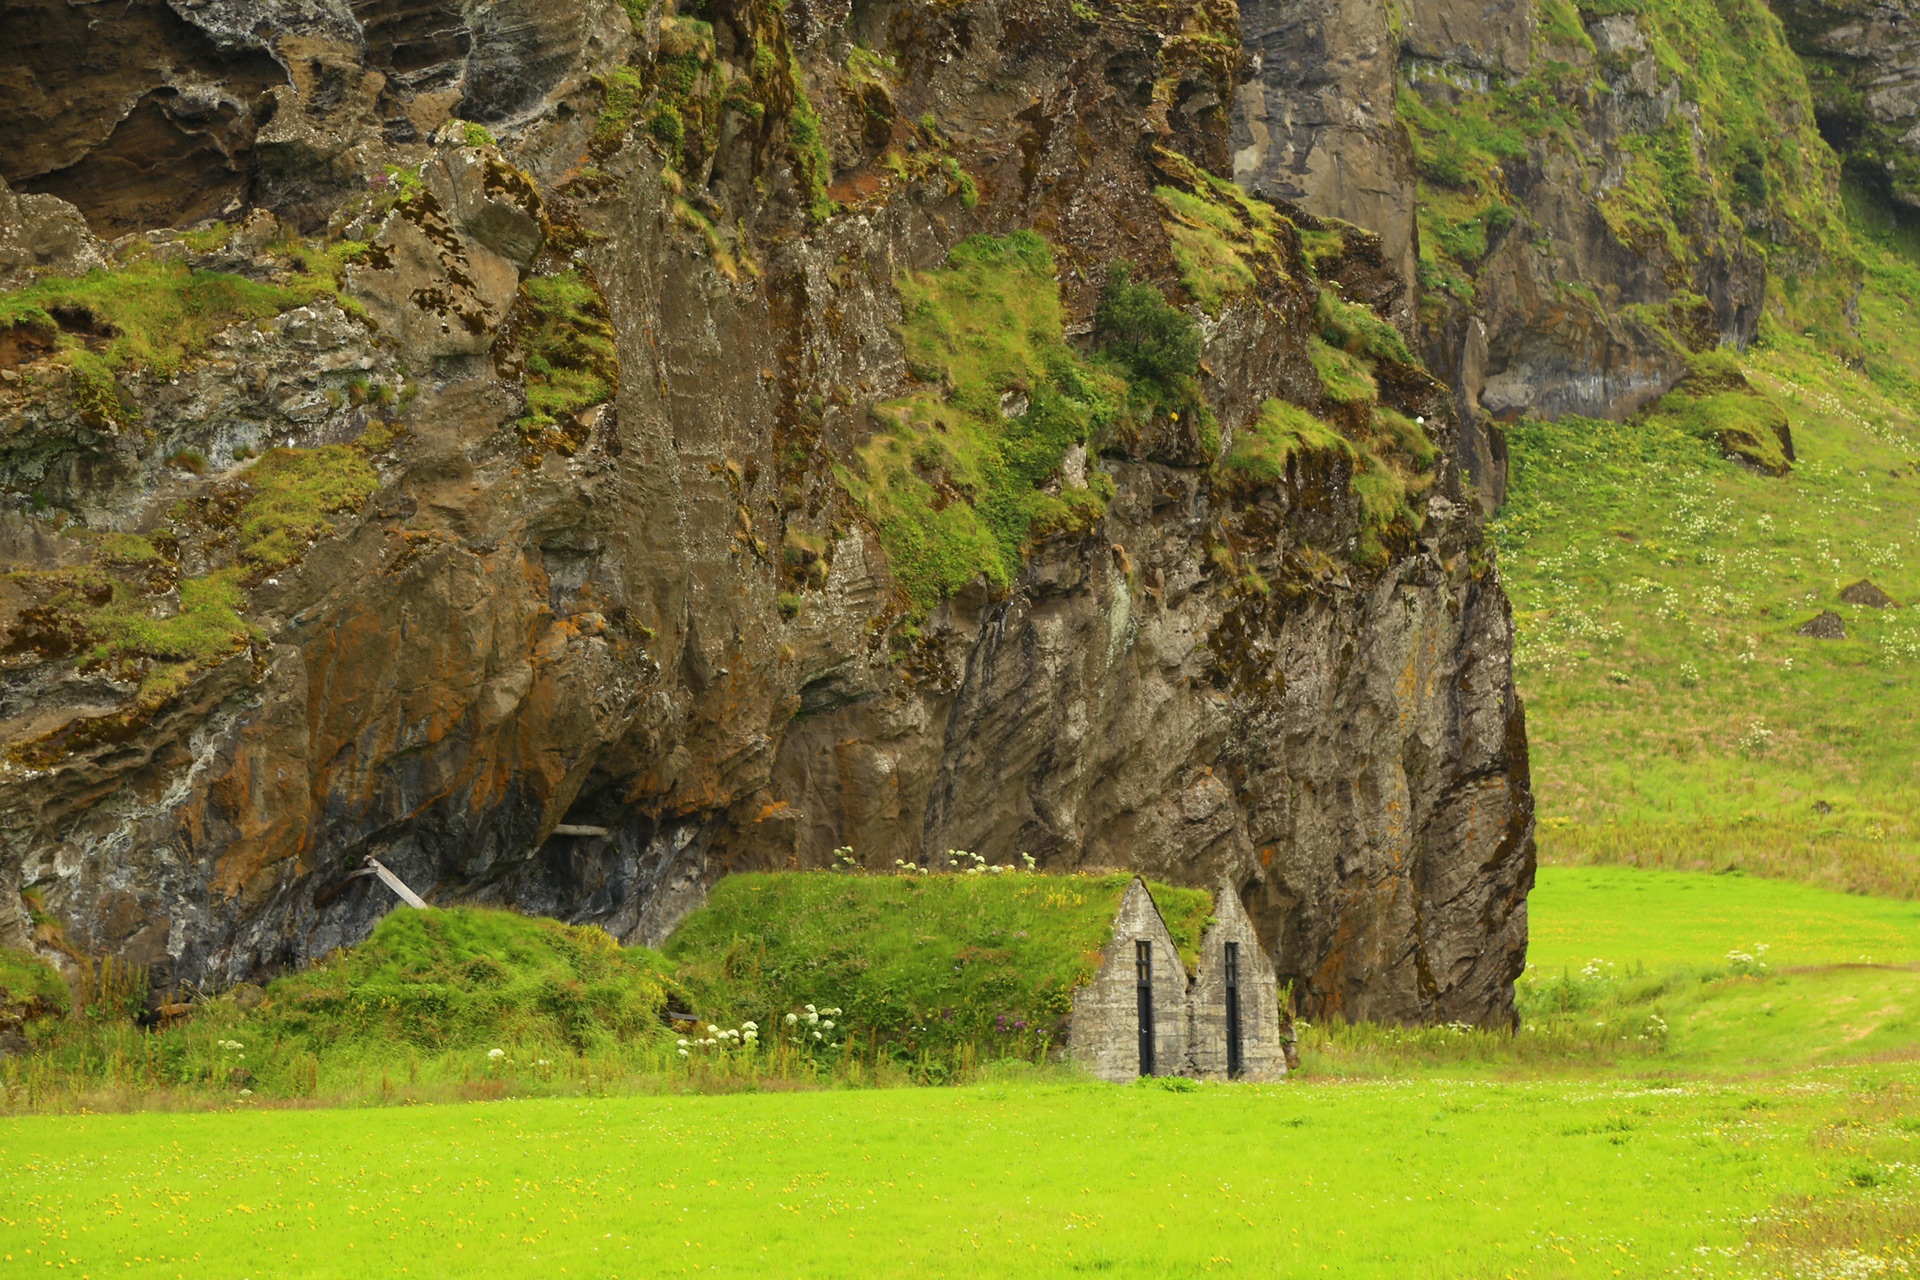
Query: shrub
{"x": 1135, "y": 323}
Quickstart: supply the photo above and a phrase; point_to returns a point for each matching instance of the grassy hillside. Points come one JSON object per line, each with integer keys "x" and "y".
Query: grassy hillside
{"x": 1677, "y": 718}
{"x": 917, "y": 962}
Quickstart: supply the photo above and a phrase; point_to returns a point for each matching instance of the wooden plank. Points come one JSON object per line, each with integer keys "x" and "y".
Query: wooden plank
{"x": 394, "y": 883}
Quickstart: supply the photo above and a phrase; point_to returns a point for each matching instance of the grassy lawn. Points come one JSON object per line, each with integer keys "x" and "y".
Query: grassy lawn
{"x": 1776, "y": 1132}
{"x": 1415, "y": 1177}
{"x": 1668, "y": 919}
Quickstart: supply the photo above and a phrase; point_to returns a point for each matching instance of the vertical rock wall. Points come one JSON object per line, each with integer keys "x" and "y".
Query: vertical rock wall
{"x": 662, "y": 612}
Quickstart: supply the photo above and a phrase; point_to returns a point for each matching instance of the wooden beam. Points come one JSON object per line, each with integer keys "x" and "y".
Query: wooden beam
{"x": 394, "y": 883}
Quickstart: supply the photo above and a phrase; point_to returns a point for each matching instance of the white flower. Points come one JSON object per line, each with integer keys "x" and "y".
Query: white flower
{"x": 683, "y": 1044}
{"x": 816, "y": 1035}
{"x": 751, "y": 1036}
{"x": 750, "y": 1025}
{"x": 827, "y": 1025}
{"x": 810, "y": 1009}
{"x": 496, "y": 1054}
{"x": 792, "y": 1018}
{"x": 712, "y": 1030}
{"x": 683, "y": 1053}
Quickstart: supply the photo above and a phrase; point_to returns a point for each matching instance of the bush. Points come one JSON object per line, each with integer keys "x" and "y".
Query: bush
{"x": 1135, "y": 324}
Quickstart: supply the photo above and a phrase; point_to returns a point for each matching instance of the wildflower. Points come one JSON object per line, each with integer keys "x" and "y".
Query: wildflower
{"x": 816, "y": 1035}
{"x": 683, "y": 1044}
{"x": 712, "y": 1030}
{"x": 827, "y": 1025}
{"x": 749, "y": 1025}
{"x": 496, "y": 1054}
{"x": 792, "y": 1018}
{"x": 683, "y": 1053}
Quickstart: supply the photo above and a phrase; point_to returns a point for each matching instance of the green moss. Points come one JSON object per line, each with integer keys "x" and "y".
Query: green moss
{"x": 813, "y": 162}
{"x": 1282, "y": 431}
{"x": 30, "y": 988}
{"x": 564, "y": 342}
{"x": 960, "y": 183}
{"x": 952, "y": 482}
{"x": 476, "y": 135}
{"x": 1220, "y": 234}
{"x": 1345, "y": 378}
{"x": 293, "y": 494}
{"x": 153, "y": 316}
{"x": 1716, "y": 402}
{"x": 623, "y": 90}
{"x": 1358, "y": 331}
{"x": 919, "y": 962}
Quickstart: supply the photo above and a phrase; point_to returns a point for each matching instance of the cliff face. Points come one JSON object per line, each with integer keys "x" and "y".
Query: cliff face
{"x": 1588, "y": 197}
{"x": 706, "y": 436}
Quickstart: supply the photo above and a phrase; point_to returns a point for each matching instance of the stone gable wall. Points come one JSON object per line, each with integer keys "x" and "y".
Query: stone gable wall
{"x": 1262, "y": 1056}
{"x": 1104, "y": 1030}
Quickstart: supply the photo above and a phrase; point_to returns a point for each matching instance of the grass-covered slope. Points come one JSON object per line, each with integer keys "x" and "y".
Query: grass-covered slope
{"x": 465, "y": 976}
{"x": 452, "y": 1000}
{"x": 915, "y": 962}
{"x": 1677, "y": 716}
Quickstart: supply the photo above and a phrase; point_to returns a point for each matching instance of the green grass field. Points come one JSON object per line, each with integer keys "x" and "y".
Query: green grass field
{"x": 1776, "y": 1132}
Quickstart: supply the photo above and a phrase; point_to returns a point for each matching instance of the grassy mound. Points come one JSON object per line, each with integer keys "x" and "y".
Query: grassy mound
{"x": 917, "y": 963}
{"x": 466, "y": 977}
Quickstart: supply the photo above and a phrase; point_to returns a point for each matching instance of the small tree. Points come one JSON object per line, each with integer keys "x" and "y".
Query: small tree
{"x": 1135, "y": 324}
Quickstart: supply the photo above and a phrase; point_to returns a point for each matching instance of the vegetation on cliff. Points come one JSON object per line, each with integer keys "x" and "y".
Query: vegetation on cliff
{"x": 956, "y": 476}
{"x": 132, "y": 613}
{"x": 1731, "y": 165}
{"x": 560, "y": 341}
{"x": 150, "y": 316}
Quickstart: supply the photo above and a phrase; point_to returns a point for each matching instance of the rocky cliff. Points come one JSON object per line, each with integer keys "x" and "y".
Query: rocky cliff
{"x": 1588, "y": 199}
{"x": 427, "y": 425}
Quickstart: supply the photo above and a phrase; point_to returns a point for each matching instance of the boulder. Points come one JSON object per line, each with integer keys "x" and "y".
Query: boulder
{"x": 1864, "y": 592}
{"x": 1827, "y": 626}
